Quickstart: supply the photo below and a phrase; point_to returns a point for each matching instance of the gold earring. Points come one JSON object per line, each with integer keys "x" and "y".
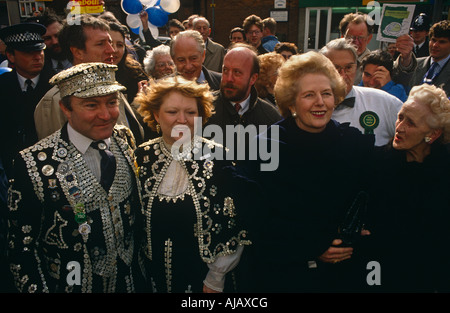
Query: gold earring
{"x": 294, "y": 114}
{"x": 427, "y": 139}
{"x": 158, "y": 128}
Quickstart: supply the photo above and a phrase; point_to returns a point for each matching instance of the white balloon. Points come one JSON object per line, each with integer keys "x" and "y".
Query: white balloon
{"x": 154, "y": 30}
{"x": 133, "y": 20}
{"x": 170, "y": 6}
{"x": 148, "y": 3}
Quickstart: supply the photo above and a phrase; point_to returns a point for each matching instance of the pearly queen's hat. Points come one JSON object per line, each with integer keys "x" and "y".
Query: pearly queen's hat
{"x": 24, "y": 37}
{"x": 87, "y": 80}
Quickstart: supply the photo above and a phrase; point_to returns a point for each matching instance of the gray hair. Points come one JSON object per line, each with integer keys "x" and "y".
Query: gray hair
{"x": 437, "y": 101}
{"x": 200, "y": 19}
{"x": 149, "y": 60}
{"x": 188, "y": 34}
{"x": 340, "y": 44}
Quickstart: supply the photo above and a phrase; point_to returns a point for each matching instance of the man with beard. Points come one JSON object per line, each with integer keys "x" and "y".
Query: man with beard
{"x": 54, "y": 58}
{"x": 237, "y": 102}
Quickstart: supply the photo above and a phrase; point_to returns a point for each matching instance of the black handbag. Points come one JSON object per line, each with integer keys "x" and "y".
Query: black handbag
{"x": 354, "y": 219}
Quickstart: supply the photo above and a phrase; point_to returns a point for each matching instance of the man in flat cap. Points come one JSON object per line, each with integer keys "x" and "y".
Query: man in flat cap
{"x": 74, "y": 203}
{"x": 21, "y": 88}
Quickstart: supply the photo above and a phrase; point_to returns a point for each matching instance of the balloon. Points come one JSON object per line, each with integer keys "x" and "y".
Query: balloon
{"x": 135, "y": 30}
{"x": 154, "y": 30}
{"x": 157, "y": 16}
{"x": 149, "y": 3}
{"x": 133, "y": 20}
{"x": 170, "y": 6}
{"x": 5, "y": 70}
{"x": 131, "y": 6}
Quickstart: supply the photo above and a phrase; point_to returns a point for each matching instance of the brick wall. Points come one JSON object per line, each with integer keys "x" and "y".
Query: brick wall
{"x": 228, "y": 14}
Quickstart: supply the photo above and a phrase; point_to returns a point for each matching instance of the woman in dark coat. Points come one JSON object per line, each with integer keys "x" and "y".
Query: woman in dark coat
{"x": 193, "y": 231}
{"x": 301, "y": 245}
{"x": 410, "y": 212}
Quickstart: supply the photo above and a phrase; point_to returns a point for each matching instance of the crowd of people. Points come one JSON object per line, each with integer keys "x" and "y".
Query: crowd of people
{"x": 131, "y": 167}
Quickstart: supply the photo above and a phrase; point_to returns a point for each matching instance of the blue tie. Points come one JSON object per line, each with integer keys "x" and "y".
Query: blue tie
{"x": 107, "y": 164}
{"x": 430, "y": 75}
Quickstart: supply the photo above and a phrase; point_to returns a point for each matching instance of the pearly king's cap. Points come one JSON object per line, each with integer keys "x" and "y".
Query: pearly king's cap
{"x": 87, "y": 80}
{"x": 24, "y": 36}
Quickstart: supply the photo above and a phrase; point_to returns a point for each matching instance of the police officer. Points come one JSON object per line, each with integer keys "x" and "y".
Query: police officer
{"x": 21, "y": 88}
{"x": 419, "y": 32}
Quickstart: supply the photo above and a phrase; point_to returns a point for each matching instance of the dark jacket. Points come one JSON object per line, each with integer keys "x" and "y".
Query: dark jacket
{"x": 409, "y": 220}
{"x": 318, "y": 177}
{"x": 260, "y": 113}
{"x": 45, "y": 218}
{"x": 17, "y": 126}
{"x": 213, "y": 78}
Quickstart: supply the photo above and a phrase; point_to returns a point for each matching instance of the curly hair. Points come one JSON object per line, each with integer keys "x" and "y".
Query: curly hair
{"x": 440, "y": 30}
{"x": 439, "y": 104}
{"x": 287, "y": 86}
{"x": 286, "y": 46}
{"x": 251, "y": 20}
{"x": 269, "y": 65}
{"x": 151, "y": 99}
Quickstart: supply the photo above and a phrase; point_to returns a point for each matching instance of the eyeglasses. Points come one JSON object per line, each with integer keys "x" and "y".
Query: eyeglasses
{"x": 349, "y": 68}
{"x": 163, "y": 64}
{"x": 356, "y": 38}
{"x": 254, "y": 32}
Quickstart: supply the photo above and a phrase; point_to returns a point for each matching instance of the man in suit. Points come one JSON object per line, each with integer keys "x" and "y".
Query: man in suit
{"x": 21, "y": 88}
{"x": 188, "y": 52}
{"x": 74, "y": 203}
{"x": 214, "y": 51}
{"x": 419, "y": 32}
{"x": 83, "y": 41}
{"x": 54, "y": 57}
{"x": 237, "y": 102}
{"x": 433, "y": 69}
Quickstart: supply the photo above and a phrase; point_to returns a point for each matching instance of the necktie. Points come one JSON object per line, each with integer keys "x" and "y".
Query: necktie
{"x": 107, "y": 164}
{"x": 237, "y": 107}
{"x": 429, "y": 76}
{"x": 29, "y": 83}
{"x": 350, "y": 102}
{"x": 59, "y": 67}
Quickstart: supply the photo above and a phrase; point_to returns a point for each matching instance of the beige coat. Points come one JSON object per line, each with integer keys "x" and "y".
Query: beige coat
{"x": 48, "y": 116}
{"x": 214, "y": 56}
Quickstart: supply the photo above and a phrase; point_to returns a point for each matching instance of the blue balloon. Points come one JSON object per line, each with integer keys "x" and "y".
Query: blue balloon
{"x": 157, "y": 16}
{"x": 135, "y": 30}
{"x": 131, "y": 6}
{"x": 5, "y": 70}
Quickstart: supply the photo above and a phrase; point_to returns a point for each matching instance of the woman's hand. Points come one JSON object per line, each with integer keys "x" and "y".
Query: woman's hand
{"x": 209, "y": 290}
{"x": 336, "y": 254}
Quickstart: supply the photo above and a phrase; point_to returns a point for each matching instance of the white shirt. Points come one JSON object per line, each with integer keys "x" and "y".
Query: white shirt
{"x": 244, "y": 105}
{"x": 91, "y": 156}
{"x": 382, "y": 103}
{"x": 22, "y": 82}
